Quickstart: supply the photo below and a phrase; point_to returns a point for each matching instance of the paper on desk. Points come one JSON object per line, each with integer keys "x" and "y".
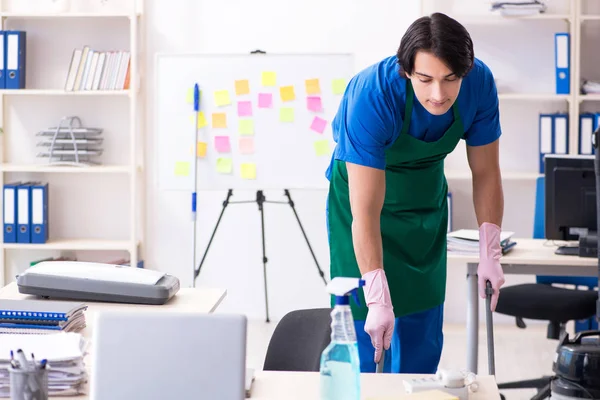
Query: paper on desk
{"x": 63, "y": 346}
{"x": 426, "y": 395}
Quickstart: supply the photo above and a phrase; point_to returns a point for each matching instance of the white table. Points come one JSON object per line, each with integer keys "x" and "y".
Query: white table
{"x": 528, "y": 257}
{"x": 197, "y": 300}
{"x": 277, "y": 385}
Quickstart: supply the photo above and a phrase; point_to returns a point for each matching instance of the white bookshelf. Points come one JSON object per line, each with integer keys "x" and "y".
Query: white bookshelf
{"x": 130, "y": 169}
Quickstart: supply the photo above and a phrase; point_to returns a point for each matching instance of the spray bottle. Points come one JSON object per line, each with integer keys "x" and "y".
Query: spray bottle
{"x": 340, "y": 365}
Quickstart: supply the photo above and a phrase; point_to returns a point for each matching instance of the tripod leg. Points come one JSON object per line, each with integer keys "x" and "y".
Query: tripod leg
{"x": 225, "y": 203}
{"x": 291, "y": 203}
{"x": 260, "y": 199}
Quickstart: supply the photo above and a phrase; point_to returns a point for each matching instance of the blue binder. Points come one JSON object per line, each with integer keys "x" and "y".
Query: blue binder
{"x": 562, "y": 62}
{"x": 24, "y": 212}
{"x": 586, "y": 129}
{"x": 2, "y": 60}
{"x": 545, "y": 137}
{"x": 39, "y": 213}
{"x": 560, "y": 132}
{"x": 10, "y": 212}
{"x": 15, "y": 58}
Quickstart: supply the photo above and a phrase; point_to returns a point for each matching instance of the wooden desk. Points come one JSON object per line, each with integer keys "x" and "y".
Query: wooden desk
{"x": 201, "y": 301}
{"x": 276, "y": 385}
{"x": 528, "y": 257}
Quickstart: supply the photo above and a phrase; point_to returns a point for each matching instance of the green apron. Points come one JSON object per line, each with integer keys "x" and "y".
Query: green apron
{"x": 414, "y": 219}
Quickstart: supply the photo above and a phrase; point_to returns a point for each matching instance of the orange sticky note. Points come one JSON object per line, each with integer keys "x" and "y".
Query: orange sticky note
{"x": 246, "y": 145}
{"x": 219, "y": 120}
{"x": 248, "y": 170}
{"x": 287, "y": 93}
{"x": 313, "y": 86}
{"x": 201, "y": 149}
{"x": 242, "y": 87}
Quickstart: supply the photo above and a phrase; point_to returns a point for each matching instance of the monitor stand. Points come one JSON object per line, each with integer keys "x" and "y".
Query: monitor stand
{"x": 567, "y": 251}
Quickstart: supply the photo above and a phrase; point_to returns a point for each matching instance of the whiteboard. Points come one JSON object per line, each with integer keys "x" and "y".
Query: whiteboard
{"x": 285, "y": 144}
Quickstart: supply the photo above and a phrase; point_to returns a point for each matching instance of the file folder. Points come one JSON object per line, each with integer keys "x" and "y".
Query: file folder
{"x": 39, "y": 213}
{"x": 15, "y": 58}
{"x": 2, "y": 60}
{"x": 586, "y": 128}
{"x": 10, "y": 212}
{"x": 561, "y": 134}
{"x": 562, "y": 63}
{"x": 24, "y": 212}
{"x": 546, "y": 137}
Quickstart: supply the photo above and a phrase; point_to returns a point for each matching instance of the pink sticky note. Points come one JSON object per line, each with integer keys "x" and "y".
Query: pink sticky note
{"x": 222, "y": 144}
{"x": 313, "y": 103}
{"x": 318, "y": 125}
{"x": 265, "y": 100}
{"x": 246, "y": 145}
{"x": 244, "y": 108}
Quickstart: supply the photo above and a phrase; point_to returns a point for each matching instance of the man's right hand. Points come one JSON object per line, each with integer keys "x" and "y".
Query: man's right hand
{"x": 380, "y": 318}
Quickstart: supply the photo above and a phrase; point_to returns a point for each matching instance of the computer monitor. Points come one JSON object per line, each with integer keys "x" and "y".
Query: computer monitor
{"x": 570, "y": 207}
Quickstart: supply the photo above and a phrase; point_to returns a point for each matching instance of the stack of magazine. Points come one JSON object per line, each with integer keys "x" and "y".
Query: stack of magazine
{"x": 466, "y": 241}
{"x": 41, "y": 316}
{"x": 64, "y": 353}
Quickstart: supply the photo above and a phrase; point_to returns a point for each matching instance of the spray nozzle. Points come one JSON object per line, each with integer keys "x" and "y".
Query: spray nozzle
{"x": 342, "y": 288}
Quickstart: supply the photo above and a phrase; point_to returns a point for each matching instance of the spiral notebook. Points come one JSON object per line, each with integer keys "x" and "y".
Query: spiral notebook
{"x": 41, "y": 316}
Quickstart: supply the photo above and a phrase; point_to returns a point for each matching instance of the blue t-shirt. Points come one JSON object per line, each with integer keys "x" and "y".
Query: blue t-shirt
{"x": 371, "y": 112}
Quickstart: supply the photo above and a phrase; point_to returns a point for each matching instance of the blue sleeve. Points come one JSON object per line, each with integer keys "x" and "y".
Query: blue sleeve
{"x": 363, "y": 126}
{"x": 485, "y": 128}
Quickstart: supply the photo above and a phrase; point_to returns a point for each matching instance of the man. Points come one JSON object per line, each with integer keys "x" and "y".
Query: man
{"x": 387, "y": 204}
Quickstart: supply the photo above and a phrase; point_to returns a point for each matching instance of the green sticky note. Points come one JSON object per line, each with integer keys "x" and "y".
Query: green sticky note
{"x": 321, "y": 147}
{"x": 338, "y": 86}
{"x": 224, "y": 165}
{"x": 189, "y": 97}
{"x": 182, "y": 168}
{"x": 222, "y": 98}
{"x": 246, "y": 127}
{"x": 286, "y": 114}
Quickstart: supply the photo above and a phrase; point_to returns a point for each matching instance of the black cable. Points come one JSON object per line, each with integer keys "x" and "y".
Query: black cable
{"x": 578, "y": 386}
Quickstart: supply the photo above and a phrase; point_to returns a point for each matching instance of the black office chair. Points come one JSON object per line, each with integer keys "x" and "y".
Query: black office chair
{"x": 298, "y": 341}
{"x": 537, "y": 301}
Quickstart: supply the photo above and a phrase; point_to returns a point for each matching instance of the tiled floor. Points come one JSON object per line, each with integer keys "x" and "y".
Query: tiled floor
{"x": 520, "y": 354}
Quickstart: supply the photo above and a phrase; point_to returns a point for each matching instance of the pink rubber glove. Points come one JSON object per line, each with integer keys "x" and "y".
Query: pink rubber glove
{"x": 380, "y": 318}
{"x": 489, "y": 268}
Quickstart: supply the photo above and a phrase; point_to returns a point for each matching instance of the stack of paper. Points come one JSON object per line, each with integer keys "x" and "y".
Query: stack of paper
{"x": 41, "y": 316}
{"x": 64, "y": 352}
{"x": 519, "y": 7}
{"x": 466, "y": 241}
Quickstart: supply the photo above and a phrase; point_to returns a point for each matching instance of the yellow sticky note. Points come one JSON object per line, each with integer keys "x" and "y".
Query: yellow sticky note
{"x": 248, "y": 171}
{"x": 286, "y": 114}
{"x": 201, "y": 120}
{"x": 224, "y": 165}
{"x": 338, "y": 86}
{"x": 242, "y": 87}
{"x": 222, "y": 98}
{"x": 182, "y": 168}
{"x": 246, "y": 127}
{"x": 287, "y": 93}
{"x": 321, "y": 147}
{"x": 189, "y": 97}
{"x": 219, "y": 120}
{"x": 313, "y": 86}
{"x": 201, "y": 149}
{"x": 269, "y": 78}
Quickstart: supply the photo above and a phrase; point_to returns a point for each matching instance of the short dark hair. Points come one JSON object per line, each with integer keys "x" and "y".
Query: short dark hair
{"x": 440, "y": 35}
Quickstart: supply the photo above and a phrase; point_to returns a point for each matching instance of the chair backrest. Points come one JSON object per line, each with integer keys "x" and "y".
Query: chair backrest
{"x": 298, "y": 341}
{"x": 539, "y": 233}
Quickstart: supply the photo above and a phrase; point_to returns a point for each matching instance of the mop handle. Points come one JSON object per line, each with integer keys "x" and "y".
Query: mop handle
{"x": 490, "y": 328}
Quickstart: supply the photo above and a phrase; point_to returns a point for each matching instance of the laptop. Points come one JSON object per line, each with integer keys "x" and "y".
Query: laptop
{"x": 160, "y": 355}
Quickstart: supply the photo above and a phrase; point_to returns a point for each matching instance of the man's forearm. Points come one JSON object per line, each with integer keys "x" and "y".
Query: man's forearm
{"x": 366, "y": 238}
{"x": 488, "y": 197}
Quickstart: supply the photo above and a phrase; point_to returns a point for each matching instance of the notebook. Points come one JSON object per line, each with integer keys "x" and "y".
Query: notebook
{"x": 39, "y": 310}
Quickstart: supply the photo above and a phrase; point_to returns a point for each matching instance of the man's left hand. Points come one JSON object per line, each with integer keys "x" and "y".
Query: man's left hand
{"x": 489, "y": 268}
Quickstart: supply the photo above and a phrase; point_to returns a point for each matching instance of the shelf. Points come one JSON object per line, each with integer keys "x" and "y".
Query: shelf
{"x": 589, "y": 97}
{"x": 590, "y": 17}
{"x": 533, "y": 96}
{"x": 66, "y": 15}
{"x": 491, "y": 18}
{"x": 73, "y": 244}
{"x": 60, "y": 92}
{"x": 101, "y": 169}
{"x": 506, "y": 176}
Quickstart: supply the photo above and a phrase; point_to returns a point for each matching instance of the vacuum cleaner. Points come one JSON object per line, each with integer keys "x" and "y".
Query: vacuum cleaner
{"x": 577, "y": 361}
